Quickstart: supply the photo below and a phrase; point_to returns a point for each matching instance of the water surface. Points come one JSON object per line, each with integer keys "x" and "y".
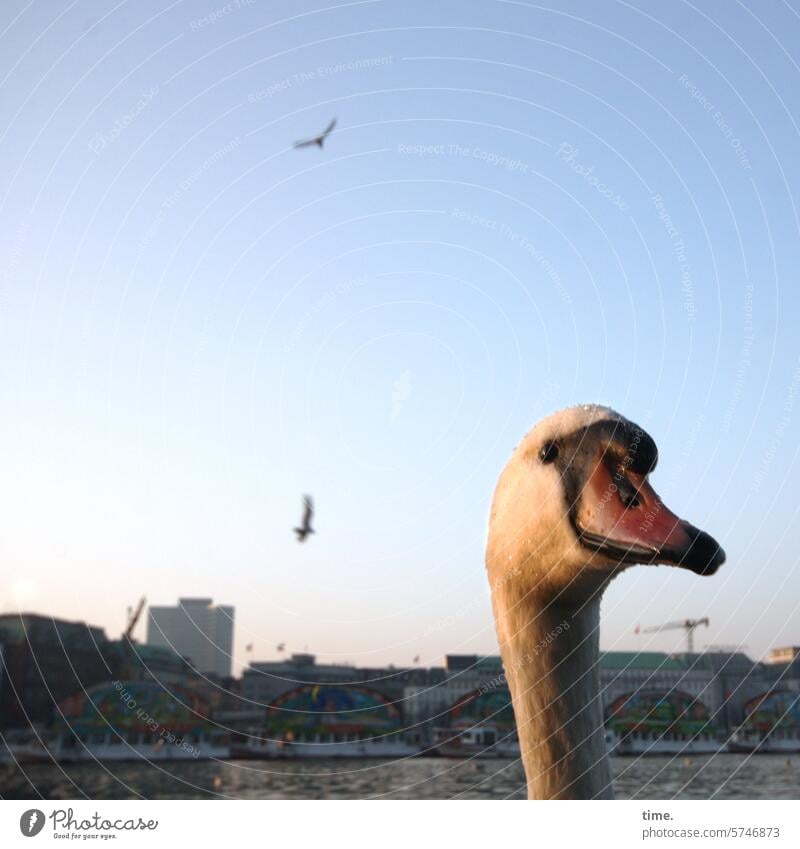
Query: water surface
{"x": 724, "y": 776}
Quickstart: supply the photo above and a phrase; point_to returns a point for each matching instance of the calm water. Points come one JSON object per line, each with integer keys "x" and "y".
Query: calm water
{"x": 719, "y": 776}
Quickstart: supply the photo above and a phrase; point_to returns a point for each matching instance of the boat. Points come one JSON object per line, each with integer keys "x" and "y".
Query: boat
{"x": 660, "y": 722}
{"x": 771, "y": 725}
{"x": 328, "y": 721}
{"x": 136, "y": 720}
{"x": 464, "y": 740}
{"x": 258, "y": 745}
{"x": 25, "y": 747}
{"x": 112, "y": 746}
{"x": 752, "y": 741}
{"x": 658, "y": 742}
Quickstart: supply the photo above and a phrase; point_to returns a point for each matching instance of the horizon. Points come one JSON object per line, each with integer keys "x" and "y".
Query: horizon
{"x": 289, "y": 653}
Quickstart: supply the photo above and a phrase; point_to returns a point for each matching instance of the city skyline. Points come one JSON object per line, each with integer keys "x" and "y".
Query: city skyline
{"x": 285, "y": 653}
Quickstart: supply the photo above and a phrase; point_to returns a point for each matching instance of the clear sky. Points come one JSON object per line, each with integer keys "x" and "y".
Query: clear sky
{"x": 522, "y": 207}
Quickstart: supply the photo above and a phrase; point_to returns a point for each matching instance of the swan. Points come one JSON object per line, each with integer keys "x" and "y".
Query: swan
{"x": 573, "y": 508}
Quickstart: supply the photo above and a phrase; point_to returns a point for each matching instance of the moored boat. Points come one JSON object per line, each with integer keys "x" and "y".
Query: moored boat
{"x": 25, "y": 748}
{"x": 771, "y": 725}
{"x": 475, "y": 741}
{"x": 750, "y": 741}
{"x": 322, "y": 745}
{"x": 643, "y": 743}
{"x": 136, "y": 720}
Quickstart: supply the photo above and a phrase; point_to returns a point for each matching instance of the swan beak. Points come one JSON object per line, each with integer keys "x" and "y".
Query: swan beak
{"x": 620, "y": 515}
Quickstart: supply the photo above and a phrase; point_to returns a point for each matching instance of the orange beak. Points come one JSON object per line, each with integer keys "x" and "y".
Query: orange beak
{"x": 621, "y": 515}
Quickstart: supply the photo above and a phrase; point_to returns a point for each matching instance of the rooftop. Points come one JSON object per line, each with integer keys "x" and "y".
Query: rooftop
{"x": 639, "y": 660}
{"x": 17, "y": 628}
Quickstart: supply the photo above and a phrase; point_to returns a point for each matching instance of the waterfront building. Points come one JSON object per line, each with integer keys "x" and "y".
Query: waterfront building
{"x": 647, "y": 697}
{"x": 43, "y": 660}
{"x": 264, "y": 681}
{"x": 133, "y": 661}
{"x": 196, "y": 629}
{"x": 785, "y": 654}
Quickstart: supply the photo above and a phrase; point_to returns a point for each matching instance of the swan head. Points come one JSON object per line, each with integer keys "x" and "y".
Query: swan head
{"x": 574, "y": 506}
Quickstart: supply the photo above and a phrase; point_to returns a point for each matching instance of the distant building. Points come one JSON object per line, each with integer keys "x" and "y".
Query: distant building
{"x": 42, "y": 661}
{"x": 787, "y": 654}
{"x": 264, "y": 681}
{"x": 132, "y": 661}
{"x": 197, "y": 630}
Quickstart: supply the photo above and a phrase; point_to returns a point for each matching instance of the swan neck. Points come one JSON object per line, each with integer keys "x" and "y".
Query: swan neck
{"x": 551, "y": 657}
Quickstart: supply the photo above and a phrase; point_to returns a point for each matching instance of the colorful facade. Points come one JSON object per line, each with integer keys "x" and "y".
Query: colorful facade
{"x": 775, "y": 709}
{"x": 661, "y": 712}
{"x": 133, "y": 708}
{"x": 329, "y": 712}
{"x": 492, "y": 707}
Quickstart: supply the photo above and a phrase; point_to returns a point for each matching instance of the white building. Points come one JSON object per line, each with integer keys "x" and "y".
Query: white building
{"x": 197, "y": 630}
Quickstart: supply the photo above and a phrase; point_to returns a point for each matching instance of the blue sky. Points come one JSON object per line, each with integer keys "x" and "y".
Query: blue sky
{"x": 522, "y": 207}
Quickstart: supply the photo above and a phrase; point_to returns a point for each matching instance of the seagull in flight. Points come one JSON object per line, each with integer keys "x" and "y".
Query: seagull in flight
{"x": 305, "y": 528}
{"x": 317, "y": 140}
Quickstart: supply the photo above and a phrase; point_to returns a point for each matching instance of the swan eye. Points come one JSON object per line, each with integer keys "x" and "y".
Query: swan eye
{"x": 549, "y": 452}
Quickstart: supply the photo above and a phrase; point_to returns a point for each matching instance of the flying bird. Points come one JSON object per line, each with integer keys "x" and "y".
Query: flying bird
{"x": 416, "y": 658}
{"x": 317, "y": 140}
{"x": 280, "y": 646}
{"x": 305, "y": 528}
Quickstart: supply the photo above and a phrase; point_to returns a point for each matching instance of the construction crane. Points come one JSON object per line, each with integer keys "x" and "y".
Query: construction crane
{"x": 133, "y": 618}
{"x": 687, "y": 625}
{"x": 127, "y": 651}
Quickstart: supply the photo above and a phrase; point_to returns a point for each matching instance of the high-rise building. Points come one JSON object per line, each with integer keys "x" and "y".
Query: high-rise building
{"x": 197, "y": 630}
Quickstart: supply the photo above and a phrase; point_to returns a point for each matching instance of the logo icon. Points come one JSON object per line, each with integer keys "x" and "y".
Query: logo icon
{"x": 31, "y": 822}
